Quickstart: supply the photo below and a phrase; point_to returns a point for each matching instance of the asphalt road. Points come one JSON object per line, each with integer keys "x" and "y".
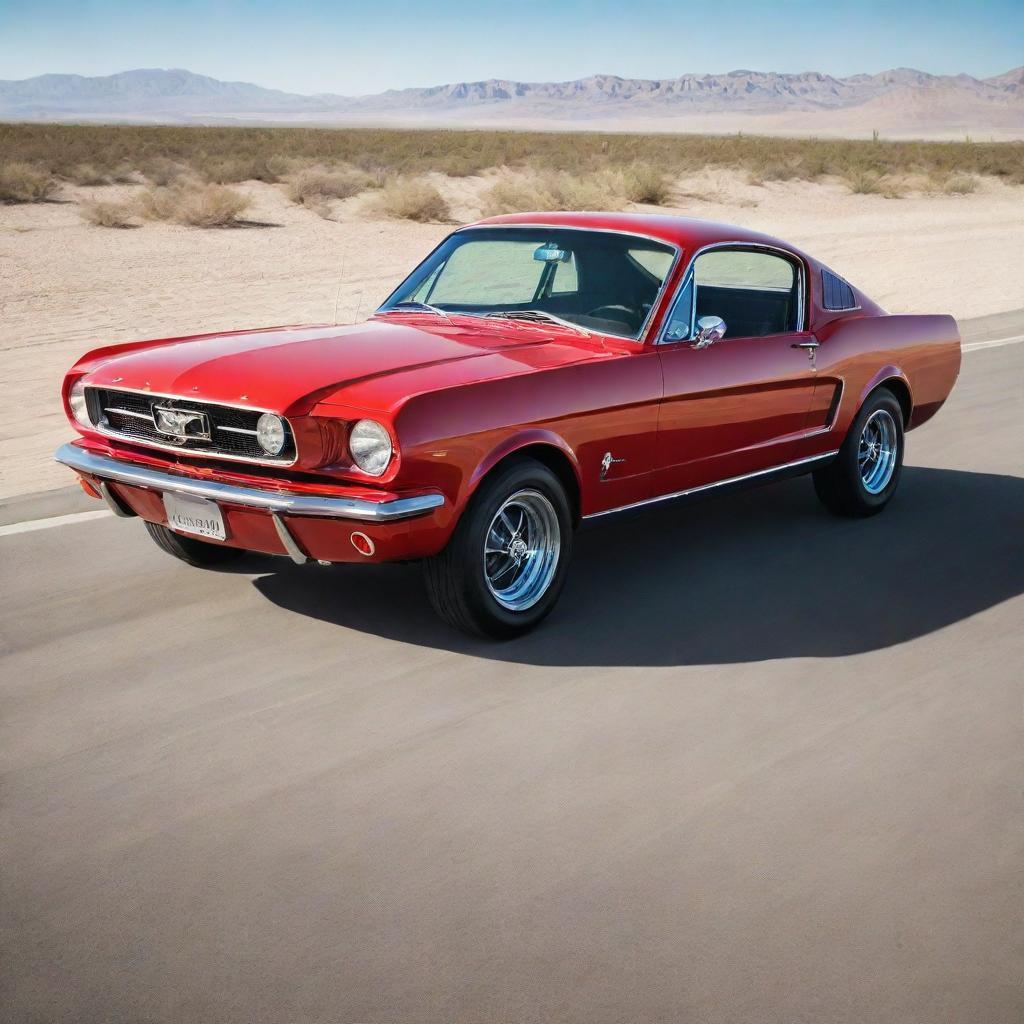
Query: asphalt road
{"x": 761, "y": 765}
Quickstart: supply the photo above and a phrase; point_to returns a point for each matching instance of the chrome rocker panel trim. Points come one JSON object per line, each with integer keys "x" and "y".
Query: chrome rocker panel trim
{"x": 251, "y": 497}
{"x": 787, "y": 468}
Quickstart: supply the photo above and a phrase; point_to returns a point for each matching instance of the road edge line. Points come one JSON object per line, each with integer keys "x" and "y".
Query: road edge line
{"x": 45, "y": 524}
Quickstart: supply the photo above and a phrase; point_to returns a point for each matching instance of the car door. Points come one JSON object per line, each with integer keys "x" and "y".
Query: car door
{"x": 738, "y": 403}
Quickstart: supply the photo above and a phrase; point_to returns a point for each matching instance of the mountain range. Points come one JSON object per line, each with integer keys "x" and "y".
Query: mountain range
{"x": 900, "y": 102}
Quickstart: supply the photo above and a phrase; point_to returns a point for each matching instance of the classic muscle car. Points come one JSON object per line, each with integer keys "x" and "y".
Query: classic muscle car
{"x": 534, "y": 372}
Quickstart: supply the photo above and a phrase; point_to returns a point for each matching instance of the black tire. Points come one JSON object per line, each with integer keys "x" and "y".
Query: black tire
{"x": 841, "y": 485}
{"x": 455, "y": 578}
{"x": 195, "y": 552}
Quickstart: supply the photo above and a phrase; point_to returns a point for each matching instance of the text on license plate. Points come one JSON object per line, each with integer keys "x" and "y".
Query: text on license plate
{"x": 197, "y": 516}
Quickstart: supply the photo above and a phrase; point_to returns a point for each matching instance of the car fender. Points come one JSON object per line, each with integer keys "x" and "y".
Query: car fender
{"x": 886, "y": 373}
{"x": 518, "y": 441}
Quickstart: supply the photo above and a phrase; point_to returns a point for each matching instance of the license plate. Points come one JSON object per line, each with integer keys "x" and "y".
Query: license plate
{"x": 196, "y": 516}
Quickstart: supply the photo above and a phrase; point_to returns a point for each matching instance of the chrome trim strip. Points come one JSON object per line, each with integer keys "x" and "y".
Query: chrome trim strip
{"x": 295, "y": 553}
{"x": 129, "y": 412}
{"x": 641, "y": 336}
{"x": 252, "y": 497}
{"x": 191, "y": 452}
{"x": 238, "y": 430}
{"x": 688, "y": 276}
{"x": 717, "y": 483}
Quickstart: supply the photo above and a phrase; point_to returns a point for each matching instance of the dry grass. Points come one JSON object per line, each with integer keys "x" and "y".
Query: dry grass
{"x": 161, "y": 171}
{"x": 87, "y": 174}
{"x": 24, "y": 183}
{"x": 865, "y": 183}
{"x": 108, "y": 214}
{"x": 609, "y": 189}
{"x": 642, "y": 183}
{"x": 316, "y": 187}
{"x": 554, "y": 190}
{"x": 195, "y": 204}
{"x": 959, "y": 185}
{"x": 227, "y": 154}
{"x": 413, "y": 199}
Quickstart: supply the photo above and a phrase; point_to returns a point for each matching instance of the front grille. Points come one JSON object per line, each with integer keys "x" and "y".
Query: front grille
{"x": 232, "y": 431}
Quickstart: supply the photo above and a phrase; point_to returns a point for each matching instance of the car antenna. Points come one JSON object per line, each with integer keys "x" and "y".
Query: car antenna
{"x": 341, "y": 284}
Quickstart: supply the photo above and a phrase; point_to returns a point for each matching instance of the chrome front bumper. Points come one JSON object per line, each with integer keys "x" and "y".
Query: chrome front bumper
{"x": 274, "y": 502}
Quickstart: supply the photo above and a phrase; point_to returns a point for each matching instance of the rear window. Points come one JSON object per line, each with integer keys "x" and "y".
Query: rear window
{"x": 835, "y": 292}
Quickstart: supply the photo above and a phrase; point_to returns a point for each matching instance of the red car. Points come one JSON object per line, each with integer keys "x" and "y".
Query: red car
{"x": 533, "y": 372}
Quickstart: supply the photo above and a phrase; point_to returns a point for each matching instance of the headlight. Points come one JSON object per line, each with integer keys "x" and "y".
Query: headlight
{"x": 77, "y": 404}
{"x": 370, "y": 445}
{"x": 270, "y": 433}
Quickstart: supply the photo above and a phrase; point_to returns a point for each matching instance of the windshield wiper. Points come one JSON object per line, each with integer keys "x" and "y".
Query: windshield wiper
{"x": 537, "y": 316}
{"x": 416, "y": 307}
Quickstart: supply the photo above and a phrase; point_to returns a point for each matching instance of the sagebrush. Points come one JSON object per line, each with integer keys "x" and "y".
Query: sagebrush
{"x": 230, "y": 154}
{"x": 24, "y": 183}
{"x": 193, "y": 203}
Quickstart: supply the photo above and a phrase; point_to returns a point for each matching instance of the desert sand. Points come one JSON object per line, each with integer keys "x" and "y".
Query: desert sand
{"x": 66, "y": 287}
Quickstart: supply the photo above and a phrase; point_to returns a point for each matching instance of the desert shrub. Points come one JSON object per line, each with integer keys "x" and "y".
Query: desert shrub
{"x": 865, "y": 183}
{"x": 107, "y": 214}
{"x": 555, "y": 190}
{"x": 233, "y": 152}
{"x": 314, "y": 187}
{"x": 643, "y": 183}
{"x": 23, "y": 183}
{"x": 413, "y": 199}
{"x": 774, "y": 170}
{"x": 124, "y": 174}
{"x": 158, "y": 203}
{"x": 160, "y": 171}
{"x": 87, "y": 174}
{"x": 194, "y": 204}
{"x": 959, "y": 185}
{"x": 230, "y": 170}
{"x": 892, "y": 187}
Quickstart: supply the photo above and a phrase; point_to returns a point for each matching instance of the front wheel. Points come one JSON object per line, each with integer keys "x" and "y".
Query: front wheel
{"x": 863, "y": 477}
{"x": 506, "y": 563}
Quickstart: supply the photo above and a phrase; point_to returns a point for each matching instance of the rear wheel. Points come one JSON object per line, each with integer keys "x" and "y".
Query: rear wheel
{"x": 195, "y": 552}
{"x": 506, "y": 563}
{"x": 863, "y": 477}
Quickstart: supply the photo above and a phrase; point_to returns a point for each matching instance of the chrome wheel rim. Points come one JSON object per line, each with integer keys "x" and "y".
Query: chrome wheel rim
{"x": 521, "y": 549}
{"x": 877, "y": 451}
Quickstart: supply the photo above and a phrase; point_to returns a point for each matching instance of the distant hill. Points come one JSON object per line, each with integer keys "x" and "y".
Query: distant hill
{"x": 900, "y": 102}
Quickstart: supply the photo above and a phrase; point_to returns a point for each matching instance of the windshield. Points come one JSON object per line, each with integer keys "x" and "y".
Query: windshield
{"x": 595, "y": 280}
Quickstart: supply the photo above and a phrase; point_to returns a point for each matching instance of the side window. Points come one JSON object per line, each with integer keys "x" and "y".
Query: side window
{"x": 677, "y": 326}
{"x": 756, "y": 293}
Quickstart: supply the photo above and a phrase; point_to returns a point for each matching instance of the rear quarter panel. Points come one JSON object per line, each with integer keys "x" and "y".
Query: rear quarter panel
{"x": 859, "y": 353}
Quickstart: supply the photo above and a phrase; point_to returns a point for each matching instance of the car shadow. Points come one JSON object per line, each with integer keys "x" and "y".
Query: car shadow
{"x": 754, "y": 576}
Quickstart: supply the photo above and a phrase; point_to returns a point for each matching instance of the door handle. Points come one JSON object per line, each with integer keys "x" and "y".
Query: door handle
{"x": 808, "y": 345}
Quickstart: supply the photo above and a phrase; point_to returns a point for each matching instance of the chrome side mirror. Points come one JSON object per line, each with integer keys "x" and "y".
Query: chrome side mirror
{"x": 709, "y": 330}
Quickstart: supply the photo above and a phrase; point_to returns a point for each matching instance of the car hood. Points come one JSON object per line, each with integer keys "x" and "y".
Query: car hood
{"x": 290, "y": 369}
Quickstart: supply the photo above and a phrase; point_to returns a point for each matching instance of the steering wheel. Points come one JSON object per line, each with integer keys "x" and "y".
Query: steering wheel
{"x": 622, "y": 313}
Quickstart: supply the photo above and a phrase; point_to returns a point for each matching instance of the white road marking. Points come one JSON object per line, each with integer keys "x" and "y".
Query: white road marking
{"x": 45, "y": 524}
{"x": 973, "y": 346}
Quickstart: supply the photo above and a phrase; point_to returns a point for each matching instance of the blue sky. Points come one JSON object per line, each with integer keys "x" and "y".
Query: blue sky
{"x": 351, "y": 48}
